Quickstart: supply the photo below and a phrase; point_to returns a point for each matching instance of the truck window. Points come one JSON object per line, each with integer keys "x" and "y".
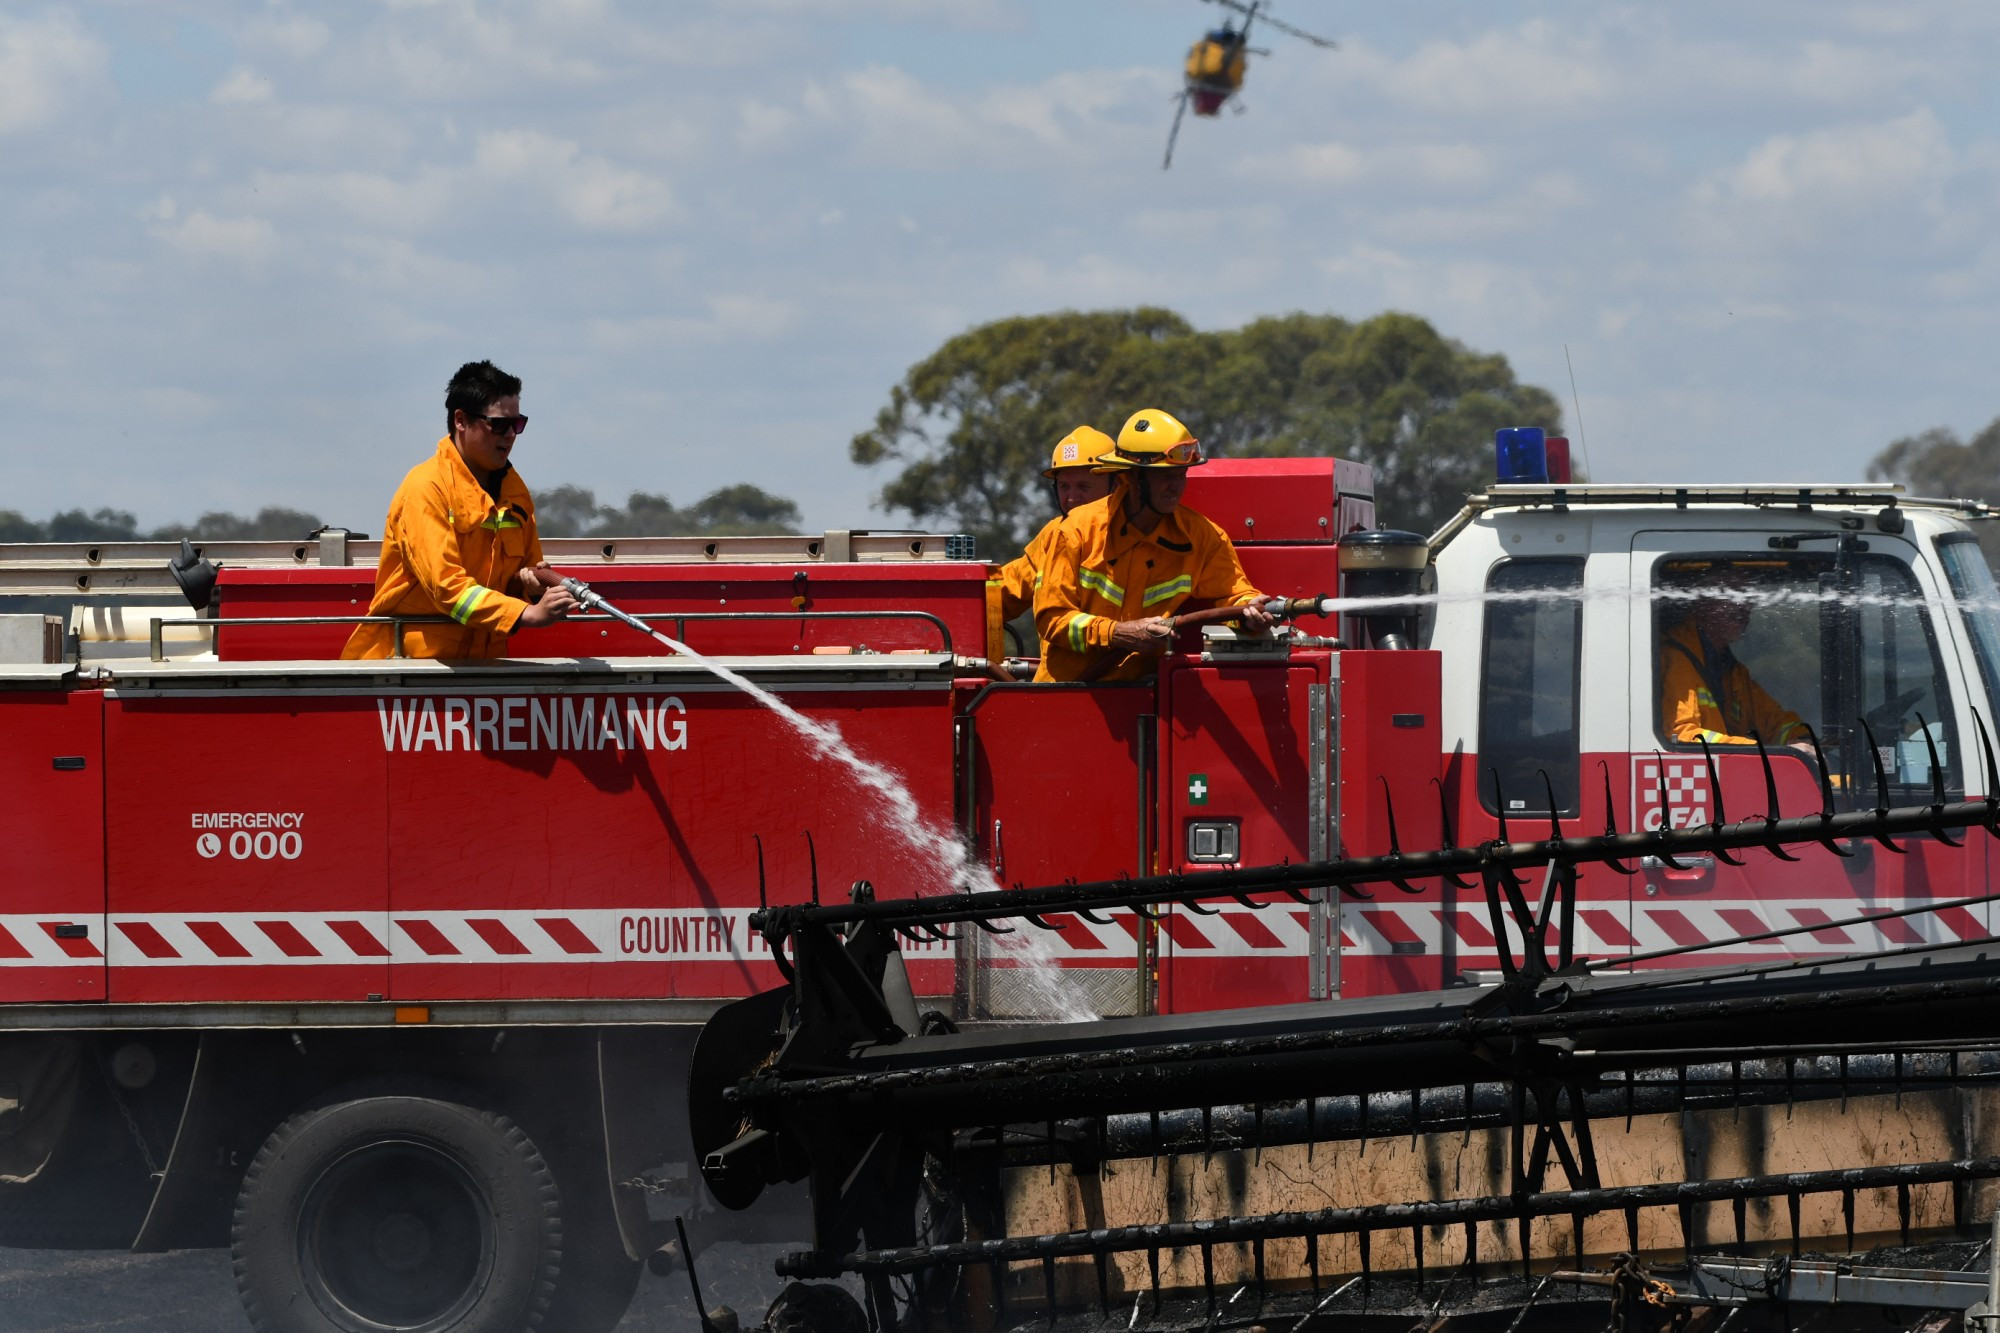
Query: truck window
{"x": 1818, "y": 642}
{"x": 1978, "y": 602}
{"x": 1528, "y": 685}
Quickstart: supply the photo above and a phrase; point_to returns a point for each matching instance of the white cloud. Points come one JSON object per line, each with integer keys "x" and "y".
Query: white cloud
{"x": 246, "y": 240}
{"x": 44, "y": 62}
{"x": 1845, "y": 164}
{"x": 738, "y": 317}
{"x": 240, "y": 87}
{"x": 589, "y": 190}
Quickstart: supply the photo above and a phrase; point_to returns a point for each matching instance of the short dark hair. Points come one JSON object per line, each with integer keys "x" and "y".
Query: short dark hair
{"x": 475, "y": 388}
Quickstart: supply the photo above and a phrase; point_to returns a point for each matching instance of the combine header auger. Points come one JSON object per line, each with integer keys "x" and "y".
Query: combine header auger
{"x": 909, "y": 1129}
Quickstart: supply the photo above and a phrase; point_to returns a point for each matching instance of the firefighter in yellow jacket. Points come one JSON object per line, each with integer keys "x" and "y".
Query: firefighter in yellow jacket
{"x": 460, "y": 538}
{"x": 1120, "y": 567}
{"x": 1073, "y": 469}
{"x": 1706, "y": 694}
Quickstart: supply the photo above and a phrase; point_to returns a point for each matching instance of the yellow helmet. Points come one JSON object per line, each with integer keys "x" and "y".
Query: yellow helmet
{"x": 1152, "y": 438}
{"x": 1082, "y": 447}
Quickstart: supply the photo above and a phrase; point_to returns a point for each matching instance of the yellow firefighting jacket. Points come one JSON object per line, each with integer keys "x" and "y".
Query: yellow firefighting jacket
{"x": 1101, "y": 570}
{"x": 448, "y": 549}
{"x": 1722, "y": 707}
{"x": 1018, "y": 579}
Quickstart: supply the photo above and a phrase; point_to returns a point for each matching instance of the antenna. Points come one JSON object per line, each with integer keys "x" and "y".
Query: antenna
{"x": 1582, "y": 442}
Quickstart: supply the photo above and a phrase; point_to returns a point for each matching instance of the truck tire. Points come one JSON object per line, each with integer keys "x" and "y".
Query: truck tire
{"x": 397, "y": 1212}
{"x": 598, "y": 1280}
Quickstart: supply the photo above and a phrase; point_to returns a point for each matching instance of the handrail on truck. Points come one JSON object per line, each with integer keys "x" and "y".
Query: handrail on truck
{"x": 680, "y": 620}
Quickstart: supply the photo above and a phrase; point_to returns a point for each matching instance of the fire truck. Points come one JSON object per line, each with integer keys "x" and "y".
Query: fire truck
{"x": 385, "y": 973}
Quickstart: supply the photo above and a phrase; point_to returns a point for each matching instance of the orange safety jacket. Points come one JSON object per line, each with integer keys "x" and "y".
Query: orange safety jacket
{"x": 1102, "y": 570}
{"x": 448, "y": 549}
{"x": 1724, "y": 707}
{"x": 1020, "y": 577}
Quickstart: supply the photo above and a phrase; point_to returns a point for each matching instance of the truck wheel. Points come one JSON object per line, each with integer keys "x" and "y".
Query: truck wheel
{"x": 597, "y": 1281}
{"x": 403, "y": 1213}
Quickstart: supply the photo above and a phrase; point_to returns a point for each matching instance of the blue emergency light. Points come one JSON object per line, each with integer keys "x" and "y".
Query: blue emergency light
{"x": 1521, "y": 455}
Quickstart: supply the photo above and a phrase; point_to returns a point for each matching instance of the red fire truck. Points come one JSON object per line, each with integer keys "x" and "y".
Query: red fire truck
{"x": 384, "y": 973}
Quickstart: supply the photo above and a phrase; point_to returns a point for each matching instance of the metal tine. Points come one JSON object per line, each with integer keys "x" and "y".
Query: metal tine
{"x": 1792, "y": 1208}
{"x": 1416, "y": 1115}
{"x": 1103, "y": 1260}
{"x": 1881, "y": 786}
{"x": 1903, "y": 1213}
{"x": 1771, "y": 816}
{"x": 1715, "y": 790}
{"x": 1389, "y": 812}
{"x": 1825, "y": 793}
{"x": 1257, "y": 1151}
{"x": 1937, "y": 782}
{"x": 1195, "y": 907}
{"x": 1049, "y": 1286}
{"x": 1208, "y": 1275}
{"x": 986, "y": 925}
{"x": 1666, "y": 811}
{"x": 1555, "y": 820}
{"x": 1737, "y": 1207}
{"x": 1365, "y": 1241}
{"x": 1472, "y": 1248}
{"x": 1632, "y": 1227}
{"x": 1450, "y": 843}
{"x": 1417, "y": 1249}
{"x": 812, "y": 860}
{"x": 763, "y": 900}
{"x": 1145, "y": 912}
{"x": 1611, "y": 820}
{"x": 1249, "y": 902}
{"x": 1312, "y": 1260}
{"x": 1992, "y": 775}
{"x": 1847, "y": 1214}
{"x": 1499, "y": 805}
{"x": 1092, "y": 917}
{"x": 1038, "y": 922}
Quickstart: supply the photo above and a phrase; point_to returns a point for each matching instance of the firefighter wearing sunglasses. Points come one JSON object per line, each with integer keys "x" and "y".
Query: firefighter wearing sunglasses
{"x": 460, "y": 540}
{"x": 1120, "y": 568}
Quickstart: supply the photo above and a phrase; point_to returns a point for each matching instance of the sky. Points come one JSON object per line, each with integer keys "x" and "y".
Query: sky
{"x": 244, "y": 244}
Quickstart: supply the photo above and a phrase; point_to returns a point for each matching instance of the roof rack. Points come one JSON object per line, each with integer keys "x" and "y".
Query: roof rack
{"x": 1762, "y": 495}
{"x": 139, "y": 569}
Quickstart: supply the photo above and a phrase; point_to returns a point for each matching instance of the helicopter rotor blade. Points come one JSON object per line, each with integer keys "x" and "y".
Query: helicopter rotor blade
{"x": 1326, "y": 42}
{"x": 1180, "y": 109}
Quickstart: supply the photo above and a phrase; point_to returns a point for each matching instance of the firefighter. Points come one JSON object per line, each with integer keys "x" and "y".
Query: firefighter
{"x": 1705, "y": 693}
{"x": 1121, "y": 568}
{"x": 1073, "y": 469}
{"x": 460, "y": 538}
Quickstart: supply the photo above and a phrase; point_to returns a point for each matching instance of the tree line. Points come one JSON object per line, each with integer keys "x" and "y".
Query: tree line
{"x": 560, "y": 511}
{"x": 966, "y": 432}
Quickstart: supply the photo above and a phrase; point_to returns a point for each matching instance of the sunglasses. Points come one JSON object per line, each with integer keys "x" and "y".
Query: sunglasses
{"x": 505, "y": 425}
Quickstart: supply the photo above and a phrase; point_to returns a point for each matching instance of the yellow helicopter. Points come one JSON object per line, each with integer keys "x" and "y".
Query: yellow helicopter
{"x": 1216, "y": 64}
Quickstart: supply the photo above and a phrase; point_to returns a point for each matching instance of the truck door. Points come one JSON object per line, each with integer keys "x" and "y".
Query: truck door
{"x": 1244, "y": 781}
{"x": 1059, "y": 780}
{"x": 52, "y": 861}
{"x": 1843, "y": 634}
{"x": 1547, "y": 731}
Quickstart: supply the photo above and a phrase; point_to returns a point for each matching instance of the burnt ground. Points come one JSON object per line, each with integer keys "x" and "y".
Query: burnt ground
{"x": 192, "y": 1291}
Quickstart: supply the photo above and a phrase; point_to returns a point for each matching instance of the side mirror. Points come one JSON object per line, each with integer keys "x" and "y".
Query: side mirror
{"x": 195, "y": 575}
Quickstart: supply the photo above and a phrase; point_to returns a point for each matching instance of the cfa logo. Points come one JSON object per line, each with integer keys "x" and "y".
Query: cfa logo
{"x": 1685, "y": 782}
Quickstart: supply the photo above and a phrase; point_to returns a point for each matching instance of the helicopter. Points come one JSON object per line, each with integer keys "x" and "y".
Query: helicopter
{"x": 1216, "y": 64}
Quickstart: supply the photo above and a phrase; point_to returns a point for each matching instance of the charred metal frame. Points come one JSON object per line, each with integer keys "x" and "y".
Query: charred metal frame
{"x": 839, "y": 1078}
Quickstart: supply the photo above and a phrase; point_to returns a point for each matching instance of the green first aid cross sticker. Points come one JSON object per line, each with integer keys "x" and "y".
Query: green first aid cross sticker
{"x": 1197, "y": 789}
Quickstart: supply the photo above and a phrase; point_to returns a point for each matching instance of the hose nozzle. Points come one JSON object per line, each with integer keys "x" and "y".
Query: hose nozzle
{"x": 1291, "y": 608}
{"x": 591, "y": 600}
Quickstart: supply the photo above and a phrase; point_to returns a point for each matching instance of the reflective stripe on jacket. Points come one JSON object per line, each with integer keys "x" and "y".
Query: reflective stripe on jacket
{"x": 1101, "y": 570}
{"x": 449, "y": 549}
{"x": 1726, "y": 708}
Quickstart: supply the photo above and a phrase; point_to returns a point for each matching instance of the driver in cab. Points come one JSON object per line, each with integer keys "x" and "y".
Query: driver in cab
{"x": 1705, "y": 693}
